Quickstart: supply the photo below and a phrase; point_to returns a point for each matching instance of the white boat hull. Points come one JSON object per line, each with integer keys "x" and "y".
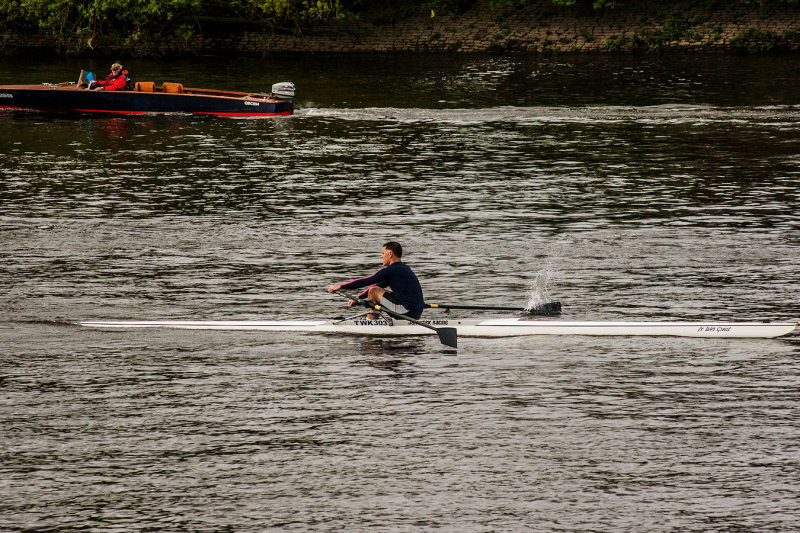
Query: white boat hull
{"x": 502, "y": 327}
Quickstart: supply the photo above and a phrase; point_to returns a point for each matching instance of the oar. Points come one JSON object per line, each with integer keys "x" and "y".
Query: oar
{"x": 447, "y": 336}
{"x": 546, "y": 309}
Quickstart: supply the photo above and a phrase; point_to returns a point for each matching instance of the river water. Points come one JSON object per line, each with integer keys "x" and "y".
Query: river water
{"x": 644, "y": 187}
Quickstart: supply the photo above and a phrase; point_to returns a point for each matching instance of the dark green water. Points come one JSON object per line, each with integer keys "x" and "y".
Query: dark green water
{"x": 625, "y": 187}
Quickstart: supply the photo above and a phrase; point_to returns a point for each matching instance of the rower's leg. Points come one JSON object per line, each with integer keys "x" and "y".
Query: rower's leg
{"x": 374, "y": 295}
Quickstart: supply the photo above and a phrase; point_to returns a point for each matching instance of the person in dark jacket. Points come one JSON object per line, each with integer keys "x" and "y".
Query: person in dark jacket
{"x": 394, "y": 286}
{"x": 118, "y": 80}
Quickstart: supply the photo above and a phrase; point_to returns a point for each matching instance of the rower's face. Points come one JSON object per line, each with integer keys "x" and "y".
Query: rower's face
{"x": 386, "y": 255}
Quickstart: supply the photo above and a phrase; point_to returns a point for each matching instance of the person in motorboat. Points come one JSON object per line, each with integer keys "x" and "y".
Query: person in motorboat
{"x": 117, "y": 80}
{"x": 395, "y": 286}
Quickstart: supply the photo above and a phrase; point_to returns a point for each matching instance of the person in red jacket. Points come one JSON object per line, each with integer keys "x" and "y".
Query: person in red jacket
{"x": 118, "y": 80}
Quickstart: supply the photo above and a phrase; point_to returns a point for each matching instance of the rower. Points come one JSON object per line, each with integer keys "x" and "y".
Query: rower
{"x": 405, "y": 296}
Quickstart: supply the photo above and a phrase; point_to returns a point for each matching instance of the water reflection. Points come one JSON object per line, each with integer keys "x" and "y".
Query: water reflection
{"x": 397, "y": 367}
{"x": 558, "y": 174}
{"x": 395, "y": 353}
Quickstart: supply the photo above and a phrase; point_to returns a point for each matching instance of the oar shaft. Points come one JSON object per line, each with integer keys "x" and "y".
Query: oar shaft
{"x": 479, "y": 307}
{"x": 546, "y": 309}
{"x": 549, "y": 308}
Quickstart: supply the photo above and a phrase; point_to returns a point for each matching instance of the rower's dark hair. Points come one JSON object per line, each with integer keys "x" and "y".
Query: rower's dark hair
{"x": 395, "y": 248}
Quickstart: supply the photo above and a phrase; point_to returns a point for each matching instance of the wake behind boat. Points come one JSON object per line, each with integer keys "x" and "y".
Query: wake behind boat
{"x": 496, "y": 327}
{"x": 147, "y": 97}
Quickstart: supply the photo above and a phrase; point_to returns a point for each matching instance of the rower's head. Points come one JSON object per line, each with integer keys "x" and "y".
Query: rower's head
{"x": 116, "y": 67}
{"x": 391, "y": 252}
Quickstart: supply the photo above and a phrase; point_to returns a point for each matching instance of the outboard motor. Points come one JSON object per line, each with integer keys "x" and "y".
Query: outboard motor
{"x": 283, "y": 90}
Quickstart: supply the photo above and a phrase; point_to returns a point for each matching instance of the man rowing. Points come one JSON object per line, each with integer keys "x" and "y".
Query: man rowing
{"x": 394, "y": 286}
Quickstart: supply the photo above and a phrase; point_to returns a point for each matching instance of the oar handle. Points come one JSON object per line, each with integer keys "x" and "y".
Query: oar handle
{"x": 364, "y": 302}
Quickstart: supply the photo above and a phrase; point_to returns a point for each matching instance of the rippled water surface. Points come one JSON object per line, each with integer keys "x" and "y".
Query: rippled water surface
{"x": 626, "y": 188}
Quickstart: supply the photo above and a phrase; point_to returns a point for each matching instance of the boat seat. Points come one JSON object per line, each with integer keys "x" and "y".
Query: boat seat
{"x": 145, "y": 86}
{"x": 174, "y": 88}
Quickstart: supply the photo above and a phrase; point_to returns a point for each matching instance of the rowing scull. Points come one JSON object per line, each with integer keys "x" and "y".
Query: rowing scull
{"x": 498, "y": 327}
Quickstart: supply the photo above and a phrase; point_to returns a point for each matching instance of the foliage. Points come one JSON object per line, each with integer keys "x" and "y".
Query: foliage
{"x": 72, "y": 21}
{"x": 297, "y": 11}
{"x": 614, "y": 43}
{"x": 596, "y": 4}
{"x": 88, "y": 18}
{"x": 754, "y": 40}
{"x": 617, "y": 4}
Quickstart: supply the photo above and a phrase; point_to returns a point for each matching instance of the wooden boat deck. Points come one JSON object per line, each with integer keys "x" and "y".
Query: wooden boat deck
{"x": 142, "y": 87}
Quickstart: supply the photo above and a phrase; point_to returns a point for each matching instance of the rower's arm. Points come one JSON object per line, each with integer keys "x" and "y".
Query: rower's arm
{"x": 379, "y": 278}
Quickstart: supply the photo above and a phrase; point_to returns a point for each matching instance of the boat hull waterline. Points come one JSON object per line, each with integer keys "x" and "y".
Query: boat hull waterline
{"x": 196, "y": 101}
{"x": 501, "y": 327}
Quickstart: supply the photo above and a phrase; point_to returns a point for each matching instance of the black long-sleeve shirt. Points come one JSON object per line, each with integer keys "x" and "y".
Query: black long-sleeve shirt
{"x": 398, "y": 278}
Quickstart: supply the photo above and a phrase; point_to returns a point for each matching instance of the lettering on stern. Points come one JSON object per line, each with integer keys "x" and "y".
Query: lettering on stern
{"x": 713, "y": 329}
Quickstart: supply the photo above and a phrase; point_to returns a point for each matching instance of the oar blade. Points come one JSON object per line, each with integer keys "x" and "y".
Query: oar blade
{"x": 546, "y": 309}
{"x": 448, "y": 336}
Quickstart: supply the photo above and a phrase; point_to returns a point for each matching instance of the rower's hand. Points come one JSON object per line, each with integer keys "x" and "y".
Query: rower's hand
{"x": 334, "y": 288}
{"x": 351, "y": 303}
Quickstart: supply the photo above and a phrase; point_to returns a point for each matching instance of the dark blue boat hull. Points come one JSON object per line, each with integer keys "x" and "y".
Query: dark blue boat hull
{"x": 126, "y": 102}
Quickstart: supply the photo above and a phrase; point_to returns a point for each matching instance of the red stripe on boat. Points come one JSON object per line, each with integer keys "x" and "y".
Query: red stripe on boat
{"x": 110, "y": 111}
{"x": 221, "y": 114}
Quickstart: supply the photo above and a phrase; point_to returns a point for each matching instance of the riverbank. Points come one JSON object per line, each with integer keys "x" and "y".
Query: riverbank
{"x": 539, "y": 28}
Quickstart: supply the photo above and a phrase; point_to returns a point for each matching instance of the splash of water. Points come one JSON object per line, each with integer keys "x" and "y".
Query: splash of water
{"x": 539, "y": 289}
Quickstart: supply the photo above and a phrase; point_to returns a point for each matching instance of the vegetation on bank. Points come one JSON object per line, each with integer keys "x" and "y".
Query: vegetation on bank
{"x": 75, "y": 23}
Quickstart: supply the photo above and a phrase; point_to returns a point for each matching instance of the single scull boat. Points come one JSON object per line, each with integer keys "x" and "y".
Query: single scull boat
{"x": 498, "y": 327}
